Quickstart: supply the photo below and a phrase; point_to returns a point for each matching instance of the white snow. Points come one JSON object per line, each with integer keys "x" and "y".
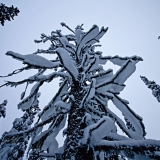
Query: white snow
{"x": 99, "y": 36}
{"x": 91, "y": 34}
{"x": 109, "y": 86}
{"x": 96, "y": 64}
{"x": 62, "y": 106}
{"x": 50, "y": 108}
{"x": 91, "y": 92}
{"x": 98, "y": 130}
{"x": 131, "y": 117}
{"x": 124, "y": 72}
{"x": 51, "y": 142}
{"x": 130, "y": 143}
{"x": 33, "y": 59}
{"x": 67, "y": 62}
{"x": 28, "y": 101}
{"x": 103, "y": 76}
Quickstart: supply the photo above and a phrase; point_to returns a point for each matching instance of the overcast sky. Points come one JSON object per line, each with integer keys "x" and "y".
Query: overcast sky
{"x": 134, "y": 27}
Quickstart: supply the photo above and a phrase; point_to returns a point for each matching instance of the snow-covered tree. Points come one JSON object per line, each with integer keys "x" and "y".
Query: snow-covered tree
{"x": 3, "y": 109}
{"x": 13, "y": 146}
{"x": 153, "y": 86}
{"x": 7, "y": 13}
{"x": 84, "y": 91}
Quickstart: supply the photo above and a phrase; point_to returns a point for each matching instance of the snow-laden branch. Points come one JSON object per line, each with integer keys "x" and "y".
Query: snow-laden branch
{"x": 88, "y": 36}
{"x": 98, "y": 37}
{"x": 38, "y": 78}
{"x": 17, "y": 71}
{"x": 102, "y": 76}
{"x": 34, "y": 60}
{"x": 49, "y": 108}
{"x": 94, "y": 133}
{"x": 67, "y": 62}
{"x": 134, "y": 121}
{"x": 28, "y": 101}
{"x": 46, "y": 140}
{"x": 120, "y": 123}
{"x": 124, "y": 72}
{"x": 90, "y": 93}
{"x": 26, "y": 132}
{"x": 121, "y": 60}
{"x": 42, "y": 51}
{"x": 134, "y": 145}
{"x": 64, "y": 25}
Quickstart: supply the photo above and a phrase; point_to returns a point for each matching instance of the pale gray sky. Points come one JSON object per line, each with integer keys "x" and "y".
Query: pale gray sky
{"x": 134, "y": 27}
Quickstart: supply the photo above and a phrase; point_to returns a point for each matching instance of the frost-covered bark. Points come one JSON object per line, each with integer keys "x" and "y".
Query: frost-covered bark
{"x": 153, "y": 86}
{"x": 7, "y": 13}
{"x": 13, "y": 147}
{"x": 3, "y": 109}
{"x": 84, "y": 91}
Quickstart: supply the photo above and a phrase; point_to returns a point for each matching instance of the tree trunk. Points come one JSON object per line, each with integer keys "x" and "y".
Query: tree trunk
{"x": 75, "y": 129}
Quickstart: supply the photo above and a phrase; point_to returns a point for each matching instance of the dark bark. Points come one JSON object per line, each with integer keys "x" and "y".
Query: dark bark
{"x": 76, "y": 127}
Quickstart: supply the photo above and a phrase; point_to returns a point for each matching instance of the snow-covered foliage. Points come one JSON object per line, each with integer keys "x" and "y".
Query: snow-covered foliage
{"x": 153, "y": 86}
{"x": 3, "y": 109}
{"x": 7, "y": 13}
{"x": 13, "y": 144}
{"x": 84, "y": 91}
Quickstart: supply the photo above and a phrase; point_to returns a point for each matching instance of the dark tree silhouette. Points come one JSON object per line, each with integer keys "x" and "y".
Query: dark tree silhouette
{"x": 153, "y": 86}
{"x": 7, "y": 13}
{"x": 3, "y": 109}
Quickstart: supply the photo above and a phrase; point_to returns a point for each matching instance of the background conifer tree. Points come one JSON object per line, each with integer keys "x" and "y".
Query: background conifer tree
{"x": 13, "y": 147}
{"x": 7, "y": 13}
{"x": 3, "y": 109}
{"x": 153, "y": 86}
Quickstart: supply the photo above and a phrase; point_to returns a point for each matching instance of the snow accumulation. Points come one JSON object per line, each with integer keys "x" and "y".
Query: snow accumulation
{"x": 84, "y": 91}
{"x": 66, "y": 61}
{"x": 96, "y": 132}
{"x": 33, "y": 60}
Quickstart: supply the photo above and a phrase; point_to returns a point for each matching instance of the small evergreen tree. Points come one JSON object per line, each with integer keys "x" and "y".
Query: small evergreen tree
{"x": 84, "y": 91}
{"x": 7, "y": 13}
{"x": 3, "y": 109}
{"x": 13, "y": 147}
{"x": 153, "y": 86}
